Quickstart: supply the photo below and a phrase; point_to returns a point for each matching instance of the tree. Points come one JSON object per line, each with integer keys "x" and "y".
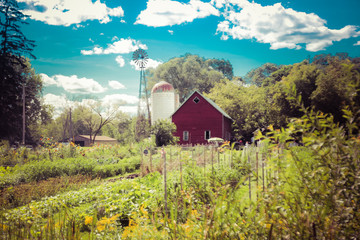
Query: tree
{"x": 322, "y": 85}
{"x": 96, "y": 116}
{"x": 163, "y": 131}
{"x": 189, "y": 73}
{"x": 277, "y": 76}
{"x": 13, "y": 43}
{"x": 14, "y": 67}
{"x": 258, "y": 75}
{"x": 247, "y": 105}
{"x": 223, "y": 66}
{"x": 333, "y": 88}
{"x": 142, "y": 128}
{"x": 36, "y": 112}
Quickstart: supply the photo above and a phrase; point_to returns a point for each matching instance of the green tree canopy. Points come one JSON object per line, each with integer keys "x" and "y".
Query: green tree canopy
{"x": 247, "y": 105}
{"x": 258, "y": 75}
{"x": 14, "y": 70}
{"x": 189, "y": 73}
{"x": 322, "y": 85}
{"x": 163, "y": 131}
{"x": 36, "y": 112}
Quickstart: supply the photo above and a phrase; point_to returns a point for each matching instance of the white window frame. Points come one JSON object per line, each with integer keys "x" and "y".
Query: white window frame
{"x": 198, "y": 100}
{"x": 209, "y": 131}
{"x": 185, "y": 135}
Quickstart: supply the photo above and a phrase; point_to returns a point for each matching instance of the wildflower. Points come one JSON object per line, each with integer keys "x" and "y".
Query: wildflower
{"x": 101, "y": 225}
{"x": 4, "y": 227}
{"x": 144, "y": 212}
{"x": 88, "y": 220}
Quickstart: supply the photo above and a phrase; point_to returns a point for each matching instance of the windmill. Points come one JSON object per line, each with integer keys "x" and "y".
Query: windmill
{"x": 140, "y": 58}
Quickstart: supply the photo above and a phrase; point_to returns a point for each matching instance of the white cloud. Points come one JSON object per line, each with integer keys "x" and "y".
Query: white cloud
{"x": 357, "y": 44}
{"x": 58, "y": 102}
{"x": 119, "y": 47}
{"x": 116, "y": 85}
{"x": 280, "y": 27}
{"x": 161, "y": 13}
{"x": 124, "y": 102}
{"x": 115, "y": 38}
{"x": 151, "y": 63}
{"x": 73, "y": 84}
{"x": 132, "y": 110}
{"x": 48, "y": 81}
{"x": 127, "y": 103}
{"x": 119, "y": 99}
{"x": 120, "y": 60}
{"x": 68, "y": 12}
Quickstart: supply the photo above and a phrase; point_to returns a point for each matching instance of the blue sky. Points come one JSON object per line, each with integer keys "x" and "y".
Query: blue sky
{"x": 84, "y": 47}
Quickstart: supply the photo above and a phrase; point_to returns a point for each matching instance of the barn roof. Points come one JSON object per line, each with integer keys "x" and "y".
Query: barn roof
{"x": 212, "y": 103}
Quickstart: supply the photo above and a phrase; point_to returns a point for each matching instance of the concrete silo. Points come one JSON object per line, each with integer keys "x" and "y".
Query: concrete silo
{"x": 164, "y": 101}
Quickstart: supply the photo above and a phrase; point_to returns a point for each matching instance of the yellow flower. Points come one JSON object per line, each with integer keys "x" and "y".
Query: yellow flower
{"x": 144, "y": 212}
{"x": 4, "y": 227}
{"x": 100, "y": 227}
{"x": 114, "y": 218}
{"x": 88, "y": 220}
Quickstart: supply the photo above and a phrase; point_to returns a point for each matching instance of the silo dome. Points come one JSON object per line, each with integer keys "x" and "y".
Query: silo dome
{"x": 164, "y": 101}
{"x": 162, "y": 87}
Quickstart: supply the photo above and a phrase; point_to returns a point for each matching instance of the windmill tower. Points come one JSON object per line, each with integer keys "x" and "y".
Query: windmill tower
{"x": 140, "y": 58}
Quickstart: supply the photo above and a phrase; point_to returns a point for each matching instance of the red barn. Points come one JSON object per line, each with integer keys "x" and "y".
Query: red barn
{"x": 199, "y": 119}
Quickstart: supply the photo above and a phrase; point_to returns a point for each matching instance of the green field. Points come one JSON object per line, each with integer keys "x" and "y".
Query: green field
{"x": 274, "y": 190}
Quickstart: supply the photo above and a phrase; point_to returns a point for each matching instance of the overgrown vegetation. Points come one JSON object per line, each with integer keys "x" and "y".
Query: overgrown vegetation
{"x": 277, "y": 190}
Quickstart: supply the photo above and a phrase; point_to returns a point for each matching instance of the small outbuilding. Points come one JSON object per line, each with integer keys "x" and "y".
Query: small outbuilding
{"x": 84, "y": 140}
{"x": 199, "y": 119}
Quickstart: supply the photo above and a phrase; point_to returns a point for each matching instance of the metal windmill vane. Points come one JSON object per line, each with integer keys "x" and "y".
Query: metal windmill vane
{"x": 140, "y": 58}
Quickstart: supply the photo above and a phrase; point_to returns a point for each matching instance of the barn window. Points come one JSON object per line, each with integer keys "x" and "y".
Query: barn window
{"x": 185, "y": 135}
{"x": 196, "y": 100}
{"x": 207, "y": 134}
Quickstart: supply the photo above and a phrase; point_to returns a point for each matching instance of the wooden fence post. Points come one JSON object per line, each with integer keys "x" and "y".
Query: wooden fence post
{"x": 150, "y": 158}
{"x": 231, "y": 153}
{"x": 181, "y": 178}
{"x": 257, "y": 173}
{"x": 263, "y": 171}
{"x": 249, "y": 177}
{"x": 204, "y": 166}
{"x": 141, "y": 162}
{"x": 163, "y": 154}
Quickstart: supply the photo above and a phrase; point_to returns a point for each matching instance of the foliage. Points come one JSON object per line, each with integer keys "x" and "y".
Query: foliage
{"x": 249, "y": 113}
{"x": 55, "y": 160}
{"x": 23, "y": 194}
{"x": 142, "y": 128}
{"x": 163, "y": 131}
{"x": 36, "y": 112}
{"x": 323, "y": 85}
{"x": 258, "y": 75}
{"x": 317, "y": 190}
{"x": 223, "y": 66}
{"x": 189, "y": 73}
{"x": 15, "y": 71}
